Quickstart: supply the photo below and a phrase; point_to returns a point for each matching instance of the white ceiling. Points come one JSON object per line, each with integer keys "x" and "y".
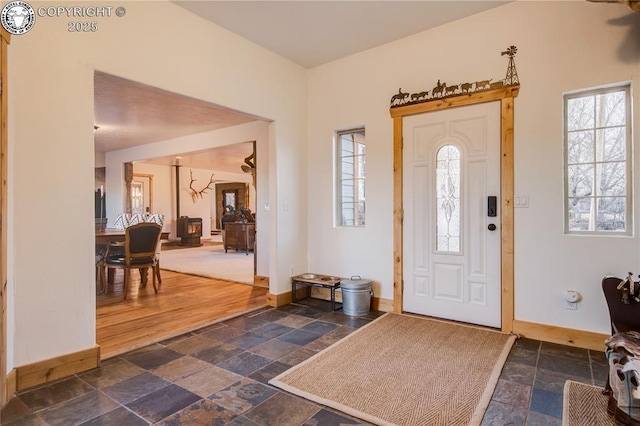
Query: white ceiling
{"x": 129, "y": 114}
{"x": 309, "y": 33}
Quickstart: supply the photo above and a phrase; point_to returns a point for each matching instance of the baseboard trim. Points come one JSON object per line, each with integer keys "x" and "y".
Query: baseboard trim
{"x": 277, "y": 300}
{"x": 11, "y": 384}
{"x": 382, "y": 305}
{"x": 564, "y": 336}
{"x": 41, "y": 372}
{"x": 261, "y": 281}
{"x": 321, "y": 293}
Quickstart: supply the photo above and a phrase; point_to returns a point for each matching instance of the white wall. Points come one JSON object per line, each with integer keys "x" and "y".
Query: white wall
{"x": 164, "y": 198}
{"x": 52, "y": 155}
{"x": 562, "y": 46}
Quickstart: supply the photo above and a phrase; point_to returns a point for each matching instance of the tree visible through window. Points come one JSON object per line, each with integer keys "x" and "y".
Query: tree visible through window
{"x": 597, "y": 165}
{"x": 351, "y": 176}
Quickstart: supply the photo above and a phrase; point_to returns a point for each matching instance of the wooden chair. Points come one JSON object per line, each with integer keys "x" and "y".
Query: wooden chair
{"x": 623, "y": 316}
{"x": 624, "y": 309}
{"x": 101, "y": 252}
{"x": 140, "y": 248}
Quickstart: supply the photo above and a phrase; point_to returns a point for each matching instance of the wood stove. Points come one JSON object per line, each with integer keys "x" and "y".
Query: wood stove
{"x": 189, "y": 230}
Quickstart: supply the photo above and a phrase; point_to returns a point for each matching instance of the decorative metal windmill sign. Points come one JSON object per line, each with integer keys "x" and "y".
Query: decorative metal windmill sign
{"x": 443, "y": 90}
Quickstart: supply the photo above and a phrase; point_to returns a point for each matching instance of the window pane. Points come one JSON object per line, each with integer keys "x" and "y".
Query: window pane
{"x": 448, "y": 199}
{"x": 611, "y": 214}
{"x": 580, "y": 113}
{"x": 346, "y": 146}
{"x": 580, "y": 180}
{"x": 610, "y": 109}
{"x": 581, "y": 149}
{"x": 359, "y": 166}
{"x": 612, "y": 179}
{"x": 612, "y": 144}
{"x": 361, "y": 190}
{"x": 360, "y": 207}
{"x": 598, "y": 150}
{"x": 580, "y": 213}
{"x": 351, "y": 178}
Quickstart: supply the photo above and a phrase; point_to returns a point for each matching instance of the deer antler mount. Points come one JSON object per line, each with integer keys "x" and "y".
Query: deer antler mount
{"x": 195, "y": 194}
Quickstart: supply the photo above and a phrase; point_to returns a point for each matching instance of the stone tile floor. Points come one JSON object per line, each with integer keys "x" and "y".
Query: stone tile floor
{"x": 218, "y": 376}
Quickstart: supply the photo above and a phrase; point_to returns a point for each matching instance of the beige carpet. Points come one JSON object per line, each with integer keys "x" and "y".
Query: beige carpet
{"x": 584, "y": 405}
{"x": 405, "y": 370}
{"x": 210, "y": 261}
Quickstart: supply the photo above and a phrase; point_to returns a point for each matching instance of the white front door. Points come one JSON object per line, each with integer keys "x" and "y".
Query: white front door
{"x": 451, "y": 254}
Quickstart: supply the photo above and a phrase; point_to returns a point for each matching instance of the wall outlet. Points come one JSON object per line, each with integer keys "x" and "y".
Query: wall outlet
{"x": 572, "y": 306}
{"x": 521, "y": 201}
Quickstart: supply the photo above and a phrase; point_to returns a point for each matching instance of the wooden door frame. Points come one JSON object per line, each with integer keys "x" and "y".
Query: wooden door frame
{"x": 6, "y": 390}
{"x": 506, "y": 96}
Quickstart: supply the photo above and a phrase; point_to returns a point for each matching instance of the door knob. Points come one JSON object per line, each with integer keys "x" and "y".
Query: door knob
{"x": 491, "y": 227}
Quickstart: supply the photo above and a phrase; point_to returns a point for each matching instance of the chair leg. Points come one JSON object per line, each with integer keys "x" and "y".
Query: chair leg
{"x": 143, "y": 277}
{"x": 127, "y": 274}
{"x": 98, "y": 277}
{"x": 157, "y": 269}
{"x": 103, "y": 279}
{"x": 156, "y": 273}
{"x": 153, "y": 279}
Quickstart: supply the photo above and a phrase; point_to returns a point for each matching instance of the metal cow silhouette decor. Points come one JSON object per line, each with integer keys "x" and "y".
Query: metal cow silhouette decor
{"x": 443, "y": 90}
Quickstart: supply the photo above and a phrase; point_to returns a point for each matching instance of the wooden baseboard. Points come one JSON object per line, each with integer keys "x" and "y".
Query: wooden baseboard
{"x": 563, "y": 336}
{"x": 277, "y": 300}
{"x": 321, "y": 293}
{"x": 42, "y": 372}
{"x": 261, "y": 281}
{"x": 11, "y": 383}
{"x": 382, "y": 305}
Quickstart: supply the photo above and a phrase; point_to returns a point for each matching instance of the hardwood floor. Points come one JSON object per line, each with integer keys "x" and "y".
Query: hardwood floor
{"x": 183, "y": 303}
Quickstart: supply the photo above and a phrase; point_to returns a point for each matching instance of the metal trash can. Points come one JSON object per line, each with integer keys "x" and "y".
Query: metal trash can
{"x": 356, "y": 296}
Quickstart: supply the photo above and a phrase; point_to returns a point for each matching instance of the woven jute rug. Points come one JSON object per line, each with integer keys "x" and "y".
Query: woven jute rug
{"x": 405, "y": 370}
{"x": 584, "y": 405}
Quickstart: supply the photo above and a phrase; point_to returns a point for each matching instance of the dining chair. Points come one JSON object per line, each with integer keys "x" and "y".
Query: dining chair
{"x": 140, "y": 252}
{"x": 623, "y": 304}
{"x": 159, "y": 219}
{"x": 123, "y": 220}
{"x": 623, "y": 301}
{"x": 101, "y": 252}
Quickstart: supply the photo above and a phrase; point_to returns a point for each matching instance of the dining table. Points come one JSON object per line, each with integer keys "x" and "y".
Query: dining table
{"x": 109, "y": 235}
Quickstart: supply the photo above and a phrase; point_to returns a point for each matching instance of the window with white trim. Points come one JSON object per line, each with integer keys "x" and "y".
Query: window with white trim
{"x": 597, "y": 153}
{"x": 350, "y": 151}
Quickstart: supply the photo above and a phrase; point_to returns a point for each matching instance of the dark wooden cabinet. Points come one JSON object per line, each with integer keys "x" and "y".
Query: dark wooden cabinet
{"x": 239, "y": 236}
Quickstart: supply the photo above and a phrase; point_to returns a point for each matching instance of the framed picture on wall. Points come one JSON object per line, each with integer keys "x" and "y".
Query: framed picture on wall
{"x": 230, "y": 199}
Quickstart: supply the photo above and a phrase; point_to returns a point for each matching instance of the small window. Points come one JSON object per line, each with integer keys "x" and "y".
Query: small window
{"x": 350, "y": 177}
{"x": 448, "y": 199}
{"x": 597, "y": 150}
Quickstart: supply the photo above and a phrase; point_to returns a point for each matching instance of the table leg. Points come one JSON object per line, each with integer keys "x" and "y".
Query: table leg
{"x": 293, "y": 292}
{"x": 333, "y": 299}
